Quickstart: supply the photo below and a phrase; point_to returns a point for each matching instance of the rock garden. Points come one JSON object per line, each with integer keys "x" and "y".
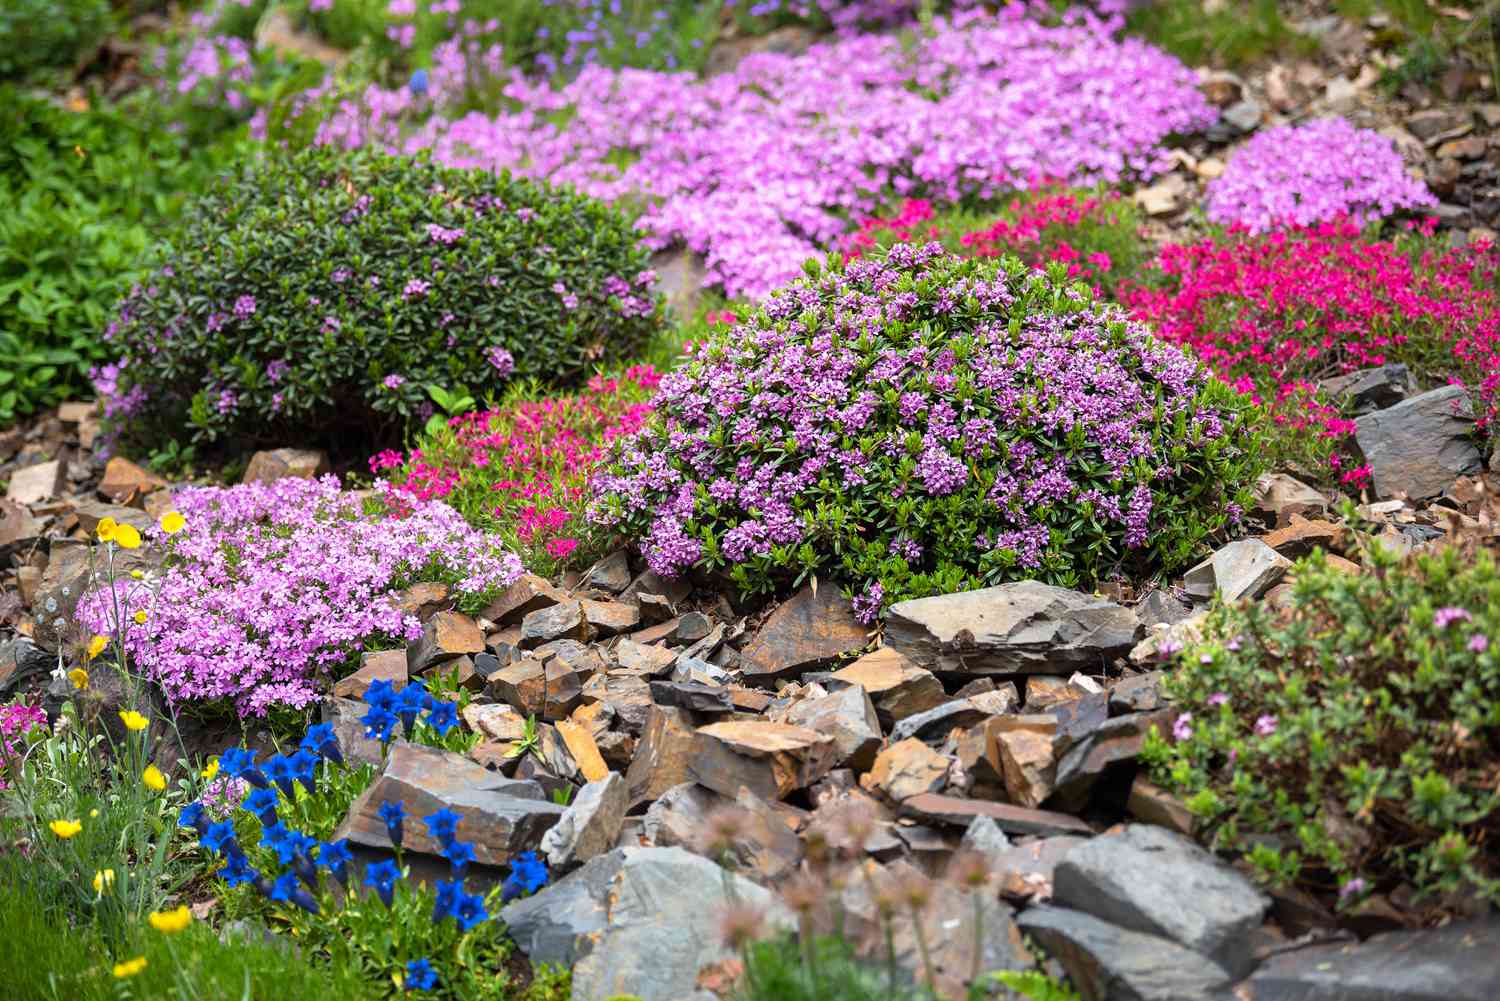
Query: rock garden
{"x": 706, "y": 502}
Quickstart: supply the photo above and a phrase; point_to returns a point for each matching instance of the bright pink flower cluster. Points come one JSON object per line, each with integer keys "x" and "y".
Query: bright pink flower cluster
{"x": 1275, "y": 314}
{"x": 16, "y": 719}
{"x": 1297, "y": 175}
{"x": 523, "y": 469}
{"x": 271, "y": 588}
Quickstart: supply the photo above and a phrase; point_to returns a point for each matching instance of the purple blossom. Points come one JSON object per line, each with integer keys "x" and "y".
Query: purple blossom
{"x": 244, "y": 307}
{"x": 502, "y": 360}
{"x": 1445, "y": 617}
{"x": 415, "y": 289}
{"x": 1479, "y": 643}
{"x": 1351, "y": 888}
{"x": 1218, "y": 699}
{"x": 393, "y": 381}
{"x": 1265, "y": 725}
{"x": 276, "y": 369}
{"x": 1182, "y": 727}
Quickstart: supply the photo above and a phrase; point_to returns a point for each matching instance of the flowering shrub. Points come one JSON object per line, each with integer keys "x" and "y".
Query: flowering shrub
{"x": 329, "y": 291}
{"x": 759, "y": 167}
{"x": 1275, "y": 314}
{"x": 1348, "y": 744}
{"x": 522, "y": 470}
{"x": 1296, "y": 175}
{"x": 16, "y": 720}
{"x": 1094, "y": 235}
{"x": 920, "y": 423}
{"x": 41, "y": 35}
{"x": 271, "y": 590}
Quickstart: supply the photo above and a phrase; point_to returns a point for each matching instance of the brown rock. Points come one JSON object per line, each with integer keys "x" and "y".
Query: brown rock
{"x": 816, "y": 625}
{"x": 423, "y": 600}
{"x": 628, "y": 696}
{"x": 124, "y": 481}
{"x": 548, "y": 691}
{"x": 76, "y": 411}
{"x": 17, "y": 524}
{"x": 1282, "y": 496}
{"x": 280, "y": 463}
{"x": 385, "y": 665}
{"x": 1025, "y": 871}
{"x": 1010, "y": 818}
{"x": 580, "y": 744}
{"x": 898, "y": 687}
{"x": 1022, "y": 749}
{"x": 772, "y": 760}
{"x": 1302, "y": 536}
{"x": 661, "y": 760}
{"x": 610, "y": 574}
{"x": 528, "y": 594}
{"x": 35, "y": 484}
{"x": 655, "y": 608}
{"x": 1154, "y": 805}
{"x": 906, "y": 769}
{"x": 445, "y": 636}
{"x": 658, "y": 633}
{"x": 555, "y": 622}
{"x": 90, "y": 513}
{"x": 610, "y": 617}
{"x": 849, "y": 718}
{"x": 495, "y": 721}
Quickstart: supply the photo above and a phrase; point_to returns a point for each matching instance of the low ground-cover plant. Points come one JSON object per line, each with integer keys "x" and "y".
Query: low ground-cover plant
{"x": 269, "y": 592}
{"x": 1347, "y": 745}
{"x": 1094, "y": 234}
{"x": 329, "y": 291}
{"x": 56, "y": 36}
{"x": 919, "y": 423}
{"x": 1276, "y": 314}
{"x": 521, "y": 470}
{"x": 1298, "y": 175}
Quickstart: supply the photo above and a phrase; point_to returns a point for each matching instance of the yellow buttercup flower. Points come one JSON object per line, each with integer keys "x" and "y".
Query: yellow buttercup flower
{"x": 140, "y": 618}
{"x": 133, "y": 720}
{"x": 106, "y": 529}
{"x": 172, "y": 523}
{"x": 97, "y": 645}
{"x": 130, "y": 968}
{"x": 65, "y": 829}
{"x": 126, "y": 537}
{"x": 154, "y": 779}
{"x": 171, "y": 922}
{"x": 94, "y": 813}
{"x": 137, "y": 574}
{"x": 211, "y": 769}
{"x": 102, "y": 879}
{"x": 79, "y": 677}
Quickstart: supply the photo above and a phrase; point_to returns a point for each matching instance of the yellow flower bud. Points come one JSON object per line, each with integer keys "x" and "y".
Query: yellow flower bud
{"x": 65, "y": 829}
{"x": 172, "y": 523}
{"x": 105, "y": 530}
{"x": 171, "y": 922}
{"x": 140, "y": 618}
{"x": 97, "y": 646}
{"x": 79, "y": 677}
{"x": 126, "y": 537}
{"x": 154, "y": 779}
{"x": 211, "y": 769}
{"x": 133, "y": 720}
{"x": 130, "y": 968}
{"x": 103, "y": 879}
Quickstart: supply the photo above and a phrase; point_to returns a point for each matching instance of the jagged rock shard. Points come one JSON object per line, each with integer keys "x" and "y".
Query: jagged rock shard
{"x": 811, "y": 628}
{"x": 1420, "y": 446}
{"x": 772, "y": 760}
{"x": 1021, "y": 628}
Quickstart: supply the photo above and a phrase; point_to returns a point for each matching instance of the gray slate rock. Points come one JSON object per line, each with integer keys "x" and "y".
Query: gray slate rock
{"x": 1025, "y": 628}
{"x": 1108, "y": 963}
{"x": 1243, "y": 569}
{"x": 849, "y": 716}
{"x": 1150, "y": 880}
{"x": 590, "y": 825}
{"x": 635, "y": 921}
{"x": 1370, "y": 389}
{"x": 938, "y": 721}
{"x": 1458, "y": 963}
{"x": 1419, "y": 447}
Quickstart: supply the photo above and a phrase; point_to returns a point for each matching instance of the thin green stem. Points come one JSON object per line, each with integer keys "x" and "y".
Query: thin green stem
{"x": 921, "y": 933}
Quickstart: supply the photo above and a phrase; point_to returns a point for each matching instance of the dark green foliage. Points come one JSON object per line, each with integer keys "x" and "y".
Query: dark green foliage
{"x": 37, "y": 36}
{"x": 1352, "y": 742}
{"x": 82, "y": 192}
{"x": 324, "y": 293}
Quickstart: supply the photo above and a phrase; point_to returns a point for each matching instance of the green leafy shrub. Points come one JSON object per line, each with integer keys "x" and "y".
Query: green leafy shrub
{"x": 1349, "y": 744}
{"x": 83, "y": 192}
{"x": 327, "y": 291}
{"x": 41, "y": 35}
{"x": 919, "y": 423}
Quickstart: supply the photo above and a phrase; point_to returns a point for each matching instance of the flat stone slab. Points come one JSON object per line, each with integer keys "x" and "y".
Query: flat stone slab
{"x": 772, "y": 760}
{"x": 1458, "y": 963}
{"x": 1421, "y": 445}
{"x": 1022, "y": 628}
{"x": 812, "y": 627}
{"x": 1010, "y": 818}
{"x": 1154, "y": 881}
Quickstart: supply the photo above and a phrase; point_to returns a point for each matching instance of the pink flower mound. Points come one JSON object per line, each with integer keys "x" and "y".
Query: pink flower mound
{"x": 758, "y": 168}
{"x": 16, "y": 719}
{"x": 1305, "y": 174}
{"x": 271, "y": 587}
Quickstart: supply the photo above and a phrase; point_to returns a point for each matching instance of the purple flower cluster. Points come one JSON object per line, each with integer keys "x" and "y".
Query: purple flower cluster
{"x": 757, "y": 168}
{"x": 922, "y": 421}
{"x": 272, "y": 587}
{"x": 1298, "y": 175}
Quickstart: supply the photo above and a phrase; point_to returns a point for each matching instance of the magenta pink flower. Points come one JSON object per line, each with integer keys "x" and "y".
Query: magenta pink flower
{"x": 1182, "y": 727}
{"x": 1265, "y": 725}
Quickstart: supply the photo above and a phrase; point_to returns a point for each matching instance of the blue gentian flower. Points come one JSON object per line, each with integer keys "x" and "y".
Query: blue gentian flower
{"x": 470, "y": 911}
{"x": 381, "y": 695}
{"x": 380, "y": 724}
{"x": 278, "y": 769}
{"x": 448, "y": 895}
{"x": 321, "y": 740}
{"x": 288, "y": 890}
{"x": 418, "y": 86}
{"x": 262, "y": 803}
{"x": 220, "y": 838}
{"x": 412, "y": 700}
{"x": 238, "y": 763}
{"x": 459, "y": 854}
{"x": 304, "y": 765}
{"x": 392, "y": 813}
{"x": 420, "y": 975}
{"x": 442, "y": 825}
{"x": 335, "y": 857}
{"x": 381, "y": 877}
{"x": 528, "y": 874}
{"x": 193, "y": 816}
{"x": 443, "y": 716}
{"x": 237, "y": 870}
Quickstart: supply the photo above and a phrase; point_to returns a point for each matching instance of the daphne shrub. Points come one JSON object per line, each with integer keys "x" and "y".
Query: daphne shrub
{"x": 1276, "y": 314}
{"x": 271, "y": 591}
{"x": 1094, "y": 234}
{"x": 1347, "y": 744}
{"x": 522, "y": 470}
{"x": 919, "y": 423}
{"x": 328, "y": 291}
{"x": 1297, "y": 175}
